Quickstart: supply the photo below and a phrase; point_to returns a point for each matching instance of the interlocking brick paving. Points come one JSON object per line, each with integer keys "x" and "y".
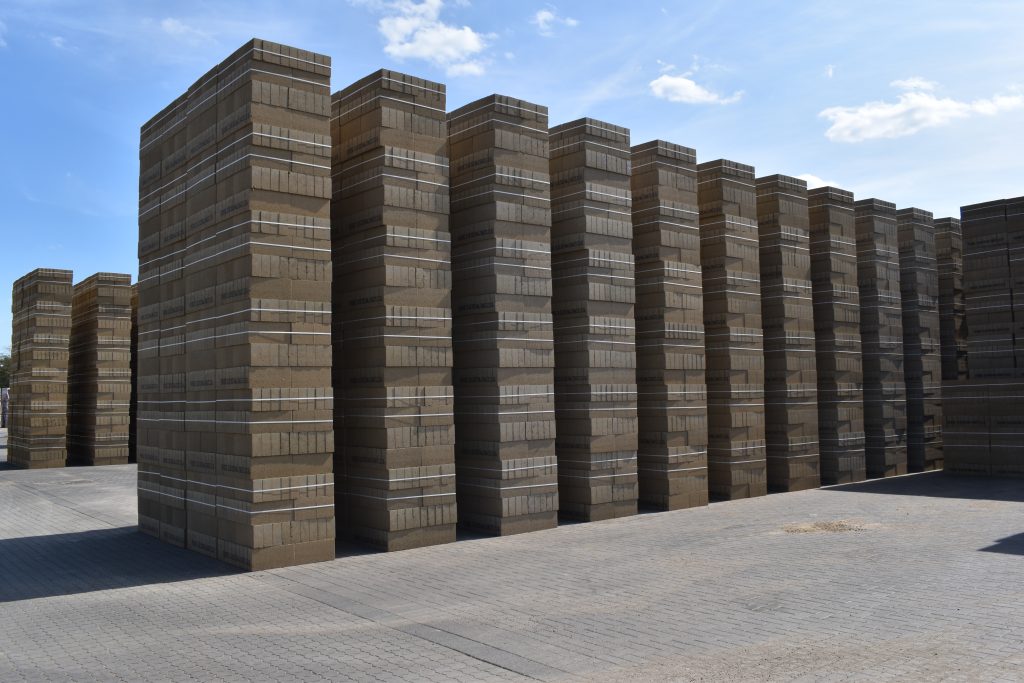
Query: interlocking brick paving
{"x": 914, "y": 578}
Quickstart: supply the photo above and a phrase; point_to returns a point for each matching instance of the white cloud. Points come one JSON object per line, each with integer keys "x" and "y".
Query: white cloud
{"x": 829, "y": 71}
{"x": 665, "y": 67}
{"x": 914, "y": 83}
{"x": 58, "y": 42}
{"x": 415, "y": 30}
{"x": 547, "y": 19}
{"x": 3, "y": 32}
{"x": 914, "y": 110}
{"x": 683, "y": 89}
{"x": 814, "y": 181}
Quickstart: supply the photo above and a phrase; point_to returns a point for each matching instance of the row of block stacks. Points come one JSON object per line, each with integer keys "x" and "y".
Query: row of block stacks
{"x": 71, "y": 374}
{"x": 529, "y": 322}
{"x": 984, "y": 414}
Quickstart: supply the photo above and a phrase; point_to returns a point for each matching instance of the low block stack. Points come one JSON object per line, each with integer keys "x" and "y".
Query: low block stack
{"x": 393, "y": 340}
{"x": 837, "y": 322}
{"x": 984, "y": 416}
{"x": 922, "y": 360}
{"x": 731, "y": 270}
{"x": 99, "y": 370}
{"x": 881, "y": 331}
{"x": 952, "y": 321}
{"x": 593, "y": 307}
{"x": 790, "y": 372}
{"x": 671, "y": 392}
{"x": 41, "y": 328}
{"x": 501, "y": 308}
{"x": 236, "y": 436}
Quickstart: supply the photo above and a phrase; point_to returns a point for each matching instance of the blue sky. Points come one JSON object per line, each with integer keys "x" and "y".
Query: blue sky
{"x": 920, "y": 103}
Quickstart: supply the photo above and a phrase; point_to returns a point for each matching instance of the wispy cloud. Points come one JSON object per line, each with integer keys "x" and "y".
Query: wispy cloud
{"x": 58, "y": 42}
{"x": 547, "y": 19}
{"x": 914, "y": 83}
{"x": 830, "y": 70}
{"x": 814, "y": 181}
{"x": 414, "y": 30}
{"x": 176, "y": 28}
{"x": 915, "y": 109}
{"x": 3, "y": 34}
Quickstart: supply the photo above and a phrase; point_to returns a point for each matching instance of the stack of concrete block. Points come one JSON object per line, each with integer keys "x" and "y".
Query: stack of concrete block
{"x": 922, "y": 360}
{"x": 99, "y": 370}
{"x": 41, "y": 328}
{"x": 952, "y": 320}
{"x": 731, "y": 269}
{"x": 594, "y": 329}
{"x": 507, "y": 473}
{"x": 790, "y": 372}
{"x": 837, "y": 325}
{"x": 671, "y": 392}
{"x": 881, "y": 331}
{"x": 984, "y": 415}
{"x": 235, "y": 438}
{"x": 133, "y": 403}
{"x": 391, "y": 250}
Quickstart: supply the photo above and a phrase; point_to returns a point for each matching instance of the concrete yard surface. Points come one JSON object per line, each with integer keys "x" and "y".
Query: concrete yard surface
{"x": 914, "y": 578}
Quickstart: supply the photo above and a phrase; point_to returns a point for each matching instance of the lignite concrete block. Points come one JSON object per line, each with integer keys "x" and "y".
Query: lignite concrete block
{"x": 881, "y": 330}
{"x": 391, "y": 249}
{"x": 671, "y": 391}
{"x": 40, "y": 333}
{"x": 506, "y": 469}
{"x": 791, "y": 377}
{"x": 235, "y": 431}
{"x": 837, "y": 323}
{"x": 734, "y": 349}
{"x": 593, "y": 301}
{"x": 922, "y": 360}
{"x": 99, "y": 370}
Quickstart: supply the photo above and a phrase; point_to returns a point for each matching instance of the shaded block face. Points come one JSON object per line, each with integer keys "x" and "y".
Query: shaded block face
{"x": 391, "y": 250}
{"x": 507, "y": 479}
{"x": 99, "y": 370}
{"x": 733, "y": 329}
{"x": 881, "y": 328}
{"x": 593, "y": 299}
{"x": 952, "y": 312}
{"x": 922, "y": 359}
{"x": 671, "y": 390}
{"x": 837, "y": 334}
{"x": 235, "y": 431}
{"x": 40, "y": 338}
{"x": 791, "y": 391}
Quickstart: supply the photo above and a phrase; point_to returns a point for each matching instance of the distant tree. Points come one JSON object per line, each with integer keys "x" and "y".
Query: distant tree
{"x": 5, "y": 368}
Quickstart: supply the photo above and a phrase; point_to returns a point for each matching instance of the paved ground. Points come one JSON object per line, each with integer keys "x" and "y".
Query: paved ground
{"x": 917, "y": 578}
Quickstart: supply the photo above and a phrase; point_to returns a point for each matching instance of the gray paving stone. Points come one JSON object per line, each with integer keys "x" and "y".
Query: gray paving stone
{"x": 919, "y": 577}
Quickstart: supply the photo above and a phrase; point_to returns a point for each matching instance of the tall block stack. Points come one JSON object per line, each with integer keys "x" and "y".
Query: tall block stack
{"x": 235, "y": 438}
{"x": 99, "y": 370}
{"x": 984, "y": 415}
{"x": 837, "y": 324}
{"x": 594, "y": 328}
{"x": 393, "y": 338}
{"x": 881, "y": 333}
{"x": 671, "y": 392}
{"x": 731, "y": 269}
{"x": 37, "y": 409}
{"x": 501, "y": 309}
{"x": 922, "y": 359}
{"x": 790, "y": 373}
{"x": 952, "y": 319}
